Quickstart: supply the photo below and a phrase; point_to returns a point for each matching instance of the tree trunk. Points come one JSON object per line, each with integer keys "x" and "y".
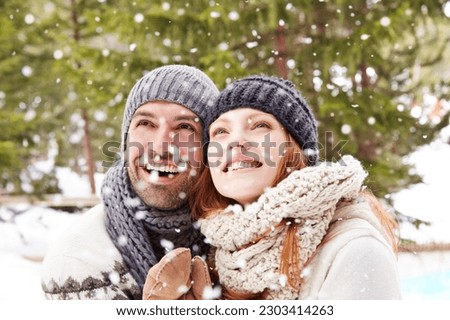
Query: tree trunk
{"x": 280, "y": 47}
{"x": 87, "y": 145}
{"x": 365, "y": 80}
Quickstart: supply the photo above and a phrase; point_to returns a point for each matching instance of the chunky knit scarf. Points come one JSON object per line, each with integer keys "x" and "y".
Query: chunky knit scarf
{"x": 249, "y": 241}
{"x": 143, "y": 234}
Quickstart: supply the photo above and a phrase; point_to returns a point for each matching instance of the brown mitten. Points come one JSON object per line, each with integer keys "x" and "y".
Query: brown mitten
{"x": 200, "y": 280}
{"x": 169, "y": 279}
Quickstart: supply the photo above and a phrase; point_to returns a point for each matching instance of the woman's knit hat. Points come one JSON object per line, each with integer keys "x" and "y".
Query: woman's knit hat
{"x": 278, "y": 97}
{"x": 181, "y": 84}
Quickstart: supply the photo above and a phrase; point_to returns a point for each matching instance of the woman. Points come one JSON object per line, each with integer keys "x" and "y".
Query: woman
{"x": 281, "y": 225}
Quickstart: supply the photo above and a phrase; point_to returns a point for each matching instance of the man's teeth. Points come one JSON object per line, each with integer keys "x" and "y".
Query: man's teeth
{"x": 242, "y": 165}
{"x": 166, "y": 169}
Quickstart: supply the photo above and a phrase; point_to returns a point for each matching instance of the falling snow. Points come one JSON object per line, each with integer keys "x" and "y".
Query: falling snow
{"x": 114, "y": 277}
{"x": 27, "y": 71}
{"x": 58, "y": 54}
{"x": 122, "y": 240}
{"x": 215, "y": 14}
{"x": 154, "y": 176}
{"x": 139, "y": 18}
{"x": 235, "y": 208}
{"x": 165, "y": 6}
{"x": 233, "y": 15}
{"x": 223, "y": 46}
{"x": 346, "y": 129}
{"x": 29, "y": 19}
{"x": 340, "y": 82}
{"x": 241, "y": 263}
{"x": 182, "y": 289}
{"x": 282, "y": 280}
{"x": 140, "y": 215}
{"x": 166, "y": 244}
{"x": 212, "y": 293}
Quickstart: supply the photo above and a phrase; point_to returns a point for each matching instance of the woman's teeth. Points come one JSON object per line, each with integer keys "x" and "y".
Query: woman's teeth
{"x": 243, "y": 165}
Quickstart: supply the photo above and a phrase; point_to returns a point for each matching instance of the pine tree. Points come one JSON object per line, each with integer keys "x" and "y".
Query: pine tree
{"x": 21, "y": 131}
{"x": 364, "y": 67}
{"x": 71, "y": 73}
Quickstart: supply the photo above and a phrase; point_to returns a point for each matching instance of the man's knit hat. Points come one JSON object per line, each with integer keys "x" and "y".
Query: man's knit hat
{"x": 278, "y": 97}
{"x": 184, "y": 85}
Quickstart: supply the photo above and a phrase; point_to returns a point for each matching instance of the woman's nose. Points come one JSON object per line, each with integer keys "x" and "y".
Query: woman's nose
{"x": 239, "y": 139}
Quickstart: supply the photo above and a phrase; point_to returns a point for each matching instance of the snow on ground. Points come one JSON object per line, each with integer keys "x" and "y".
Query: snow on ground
{"x": 425, "y": 275}
{"x": 19, "y": 278}
{"x": 31, "y": 232}
{"x": 26, "y": 236}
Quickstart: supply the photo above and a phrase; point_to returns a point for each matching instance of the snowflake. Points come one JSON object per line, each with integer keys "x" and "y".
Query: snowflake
{"x": 114, "y": 277}
{"x": 210, "y": 293}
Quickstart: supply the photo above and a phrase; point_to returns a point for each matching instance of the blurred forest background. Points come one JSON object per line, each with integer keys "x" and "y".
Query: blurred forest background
{"x": 376, "y": 73}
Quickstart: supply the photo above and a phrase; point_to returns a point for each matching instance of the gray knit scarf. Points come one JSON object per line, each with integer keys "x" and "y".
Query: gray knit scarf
{"x": 137, "y": 229}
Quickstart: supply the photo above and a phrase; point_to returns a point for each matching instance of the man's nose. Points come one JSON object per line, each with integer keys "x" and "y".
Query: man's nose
{"x": 163, "y": 140}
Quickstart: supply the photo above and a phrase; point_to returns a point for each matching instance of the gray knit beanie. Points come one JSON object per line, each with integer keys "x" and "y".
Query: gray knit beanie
{"x": 181, "y": 84}
{"x": 278, "y": 97}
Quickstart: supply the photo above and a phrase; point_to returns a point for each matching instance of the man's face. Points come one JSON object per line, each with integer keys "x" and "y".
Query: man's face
{"x": 164, "y": 153}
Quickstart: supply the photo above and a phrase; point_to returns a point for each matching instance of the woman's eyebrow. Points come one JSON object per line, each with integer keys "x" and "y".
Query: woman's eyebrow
{"x": 221, "y": 120}
{"x": 259, "y": 115}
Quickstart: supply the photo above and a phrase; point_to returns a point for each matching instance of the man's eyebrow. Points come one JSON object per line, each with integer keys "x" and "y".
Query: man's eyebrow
{"x": 144, "y": 114}
{"x": 187, "y": 118}
{"x": 152, "y": 115}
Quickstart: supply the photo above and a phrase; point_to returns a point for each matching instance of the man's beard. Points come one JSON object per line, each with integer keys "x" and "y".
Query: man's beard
{"x": 164, "y": 196}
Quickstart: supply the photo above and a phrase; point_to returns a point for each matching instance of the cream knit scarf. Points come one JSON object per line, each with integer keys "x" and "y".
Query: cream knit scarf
{"x": 308, "y": 196}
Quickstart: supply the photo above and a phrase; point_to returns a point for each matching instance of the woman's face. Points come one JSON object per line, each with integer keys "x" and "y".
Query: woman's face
{"x": 245, "y": 150}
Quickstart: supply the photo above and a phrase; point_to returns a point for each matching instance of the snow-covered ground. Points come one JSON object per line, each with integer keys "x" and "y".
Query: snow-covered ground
{"x": 24, "y": 240}
{"x": 425, "y": 275}
{"x": 27, "y": 232}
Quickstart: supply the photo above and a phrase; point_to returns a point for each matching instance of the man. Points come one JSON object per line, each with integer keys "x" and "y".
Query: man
{"x": 144, "y": 212}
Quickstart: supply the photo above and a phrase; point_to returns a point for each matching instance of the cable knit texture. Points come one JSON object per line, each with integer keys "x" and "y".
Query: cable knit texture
{"x": 309, "y": 196}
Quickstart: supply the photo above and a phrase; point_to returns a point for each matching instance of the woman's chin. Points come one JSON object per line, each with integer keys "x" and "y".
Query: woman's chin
{"x": 243, "y": 185}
